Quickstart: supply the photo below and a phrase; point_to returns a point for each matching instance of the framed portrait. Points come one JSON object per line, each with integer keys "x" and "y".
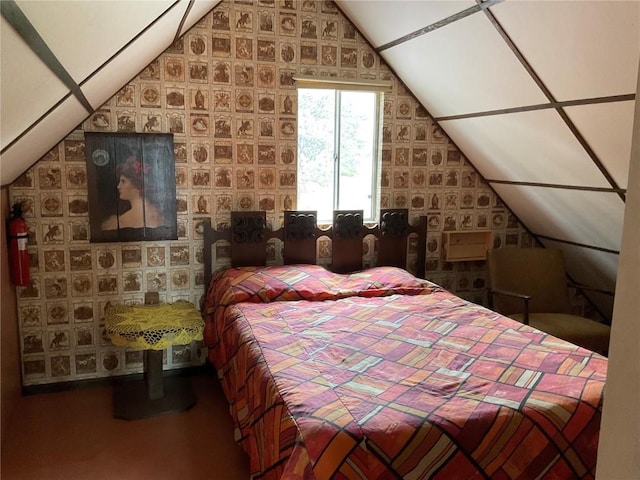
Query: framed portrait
{"x": 132, "y": 187}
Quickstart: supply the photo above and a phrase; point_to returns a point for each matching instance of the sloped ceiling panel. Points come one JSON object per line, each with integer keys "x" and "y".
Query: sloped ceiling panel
{"x": 140, "y": 51}
{"x": 42, "y": 136}
{"x": 384, "y": 21}
{"x": 463, "y": 67}
{"x": 67, "y": 28}
{"x": 20, "y": 94}
{"x": 608, "y": 128}
{"x": 589, "y": 218}
{"x": 531, "y": 146}
{"x": 596, "y": 268}
{"x": 580, "y": 49}
{"x": 588, "y": 226}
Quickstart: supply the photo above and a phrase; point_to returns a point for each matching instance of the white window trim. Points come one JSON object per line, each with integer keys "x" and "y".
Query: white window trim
{"x": 309, "y": 81}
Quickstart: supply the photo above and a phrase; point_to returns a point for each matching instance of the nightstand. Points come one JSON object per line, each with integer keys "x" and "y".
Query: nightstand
{"x": 153, "y": 328}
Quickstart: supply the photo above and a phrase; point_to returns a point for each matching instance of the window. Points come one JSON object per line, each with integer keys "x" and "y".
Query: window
{"x": 338, "y": 154}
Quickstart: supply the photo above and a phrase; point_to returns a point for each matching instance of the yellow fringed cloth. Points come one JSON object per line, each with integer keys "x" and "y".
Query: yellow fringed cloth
{"x": 154, "y": 327}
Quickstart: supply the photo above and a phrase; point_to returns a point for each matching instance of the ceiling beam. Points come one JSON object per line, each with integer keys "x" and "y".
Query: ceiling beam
{"x": 184, "y": 19}
{"x": 541, "y": 106}
{"x": 557, "y": 185}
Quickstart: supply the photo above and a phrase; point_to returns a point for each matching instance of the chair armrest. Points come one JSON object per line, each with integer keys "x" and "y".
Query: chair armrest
{"x": 509, "y": 293}
{"x": 525, "y": 298}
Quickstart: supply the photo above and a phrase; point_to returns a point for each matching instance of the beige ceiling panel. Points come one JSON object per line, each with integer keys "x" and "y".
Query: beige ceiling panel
{"x": 118, "y": 72}
{"x": 28, "y": 88}
{"x": 580, "y": 49}
{"x": 464, "y": 67}
{"x": 85, "y": 34}
{"x": 40, "y": 139}
{"x": 388, "y": 20}
{"x": 588, "y": 218}
{"x": 607, "y": 128}
{"x": 534, "y": 146}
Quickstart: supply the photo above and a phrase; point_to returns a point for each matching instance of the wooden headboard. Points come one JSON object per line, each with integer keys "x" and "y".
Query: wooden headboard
{"x": 248, "y": 235}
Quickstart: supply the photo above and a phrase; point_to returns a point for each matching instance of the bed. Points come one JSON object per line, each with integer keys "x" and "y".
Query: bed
{"x": 378, "y": 374}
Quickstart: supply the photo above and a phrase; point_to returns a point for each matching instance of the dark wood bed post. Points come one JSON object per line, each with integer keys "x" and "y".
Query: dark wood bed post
{"x": 347, "y": 233}
{"x": 249, "y": 228}
{"x": 392, "y": 237}
{"x": 393, "y": 231}
{"x": 210, "y": 237}
{"x": 421, "y": 230}
{"x": 300, "y": 236}
{"x": 249, "y": 236}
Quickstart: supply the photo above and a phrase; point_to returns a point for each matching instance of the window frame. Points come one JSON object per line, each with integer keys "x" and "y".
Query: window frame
{"x": 376, "y": 158}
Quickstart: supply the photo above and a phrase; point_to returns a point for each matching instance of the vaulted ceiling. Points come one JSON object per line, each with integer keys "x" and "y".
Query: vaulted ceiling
{"x": 538, "y": 95}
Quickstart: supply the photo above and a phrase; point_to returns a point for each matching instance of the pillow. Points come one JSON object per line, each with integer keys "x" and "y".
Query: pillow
{"x": 309, "y": 282}
{"x": 267, "y": 284}
{"x": 385, "y": 277}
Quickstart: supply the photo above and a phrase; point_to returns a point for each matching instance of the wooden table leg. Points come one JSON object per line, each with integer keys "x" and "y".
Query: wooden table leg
{"x": 156, "y": 395}
{"x": 131, "y": 398}
{"x": 153, "y": 373}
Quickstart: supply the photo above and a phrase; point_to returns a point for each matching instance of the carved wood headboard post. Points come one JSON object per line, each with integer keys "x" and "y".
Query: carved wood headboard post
{"x": 300, "y": 235}
{"x": 421, "y": 230}
{"x": 347, "y": 235}
{"x": 392, "y": 241}
{"x": 394, "y": 231}
{"x": 249, "y": 237}
{"x": 248, "y": 228}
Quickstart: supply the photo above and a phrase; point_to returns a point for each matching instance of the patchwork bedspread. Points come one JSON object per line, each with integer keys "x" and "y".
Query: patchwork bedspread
{"x": 379, "y": 375}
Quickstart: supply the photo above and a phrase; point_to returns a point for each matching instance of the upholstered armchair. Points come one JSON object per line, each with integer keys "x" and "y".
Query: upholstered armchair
{"x": 530, "y": 285}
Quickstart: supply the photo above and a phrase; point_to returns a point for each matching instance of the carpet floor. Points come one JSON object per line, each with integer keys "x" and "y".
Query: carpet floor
{"x": 72, "y": 435}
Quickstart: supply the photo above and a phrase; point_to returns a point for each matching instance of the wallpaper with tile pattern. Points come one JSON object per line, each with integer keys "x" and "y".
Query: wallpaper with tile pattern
{"x": 225, "y": 91}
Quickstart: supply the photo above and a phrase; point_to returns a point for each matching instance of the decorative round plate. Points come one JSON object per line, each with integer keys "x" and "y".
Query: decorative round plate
{"x": 100, "y": 157}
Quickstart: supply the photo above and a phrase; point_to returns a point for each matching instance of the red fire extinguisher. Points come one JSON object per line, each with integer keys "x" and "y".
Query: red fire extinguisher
{"x": 18, "y": 253}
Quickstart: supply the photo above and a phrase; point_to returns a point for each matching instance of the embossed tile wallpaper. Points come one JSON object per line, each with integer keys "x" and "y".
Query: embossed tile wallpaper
{"x": 225, "y": 91}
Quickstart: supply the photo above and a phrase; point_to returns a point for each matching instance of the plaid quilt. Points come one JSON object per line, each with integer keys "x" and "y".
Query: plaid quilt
{"x": 385, "y": 376}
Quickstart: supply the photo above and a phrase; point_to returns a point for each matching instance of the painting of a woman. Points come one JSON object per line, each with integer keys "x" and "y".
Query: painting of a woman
{"x": 131, "y": 187}
{"x": 143, "y": 212}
